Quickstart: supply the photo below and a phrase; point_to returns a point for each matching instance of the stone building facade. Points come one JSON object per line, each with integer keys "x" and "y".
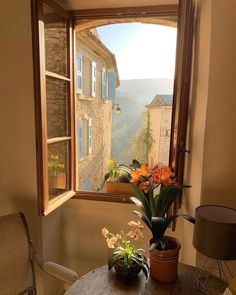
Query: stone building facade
{"x": 160, "y": 111}
{"x": 96, "y": 79}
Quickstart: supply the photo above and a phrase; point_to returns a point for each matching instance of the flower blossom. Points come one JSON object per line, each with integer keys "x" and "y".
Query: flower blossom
{"x": 135, "y": 176}
{"x": 137, "y": 224}
{"x": 105, "y": 232}
{"x": 143, "y": 170}
{"x": 111, "y": 242}
{"x": 145, "y": 186}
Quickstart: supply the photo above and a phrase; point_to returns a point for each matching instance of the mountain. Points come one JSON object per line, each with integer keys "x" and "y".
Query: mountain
{"x": 132, "y": 96}
{"x": 145, "y": 89}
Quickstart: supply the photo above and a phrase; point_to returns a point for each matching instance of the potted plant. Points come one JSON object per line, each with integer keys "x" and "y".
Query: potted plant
{"x": 155, "y": 191}
{"x": 56, "y": 171}
{"x": 126, "y": 259}
{"x": 117, "y": 179}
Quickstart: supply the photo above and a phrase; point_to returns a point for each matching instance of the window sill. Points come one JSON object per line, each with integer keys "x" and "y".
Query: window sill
{"x": 58, "y": 201}
{"x": 103, "y": 197}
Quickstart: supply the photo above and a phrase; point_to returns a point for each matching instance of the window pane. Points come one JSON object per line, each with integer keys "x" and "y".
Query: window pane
{"x": 58, "y": 168}
{"x": 55, "y": 30}
{"x": 135, "y": 123}
{"x": 57, "y": 107}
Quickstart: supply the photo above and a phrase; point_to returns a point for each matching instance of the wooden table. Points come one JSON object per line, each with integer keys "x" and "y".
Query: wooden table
{"x": 103, "y": 282}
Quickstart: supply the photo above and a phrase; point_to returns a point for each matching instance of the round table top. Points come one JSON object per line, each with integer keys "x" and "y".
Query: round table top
{"x": 103, "y": 282}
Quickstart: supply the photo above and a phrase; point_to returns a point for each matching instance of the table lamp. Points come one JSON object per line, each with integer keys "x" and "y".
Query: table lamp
{"x": 215, "y": 237}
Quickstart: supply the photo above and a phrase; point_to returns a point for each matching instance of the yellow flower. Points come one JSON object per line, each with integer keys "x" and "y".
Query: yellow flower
{"x": 105, "y": 232}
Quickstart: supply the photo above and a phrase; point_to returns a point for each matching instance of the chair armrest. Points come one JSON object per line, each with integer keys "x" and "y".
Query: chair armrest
{"x": 60, "y": 272}
{"x": 56, "y": 270}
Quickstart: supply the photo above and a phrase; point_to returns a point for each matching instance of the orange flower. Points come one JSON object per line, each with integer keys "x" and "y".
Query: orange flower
{"x": 145, "y": 186}
{"x": 135, "y": 176}
{"x": 166, "y": 174}
{"x": 143, "y": 170}
{"x": 136, "y": 234}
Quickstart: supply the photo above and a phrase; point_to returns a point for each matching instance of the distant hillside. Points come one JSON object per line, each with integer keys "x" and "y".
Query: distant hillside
{"x": 132, "y": 96}
{"x": 145, "y": 89}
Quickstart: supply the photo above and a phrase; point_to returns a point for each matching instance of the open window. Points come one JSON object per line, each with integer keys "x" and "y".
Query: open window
{"x": 60, "y": 134}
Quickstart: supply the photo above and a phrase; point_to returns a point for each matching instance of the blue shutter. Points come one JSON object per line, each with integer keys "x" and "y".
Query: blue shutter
{"x": 80, "y": 138}
{"x": 90, "y": 135}
{"x": 87, "y": 184}
{"x": 104, "y": 83}
{"x": 79, "y": 62}
{"x": 111, "y": 85}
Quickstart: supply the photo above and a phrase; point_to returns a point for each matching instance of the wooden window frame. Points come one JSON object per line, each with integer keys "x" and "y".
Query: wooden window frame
{"x": 180, "y": 99}
{"x": 45, "y": 204}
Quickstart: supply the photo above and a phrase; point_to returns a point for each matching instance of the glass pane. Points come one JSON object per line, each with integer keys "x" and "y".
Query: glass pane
{"x": 58, "y": 168}
{"x": 135, "y": 123}
{"x": 57, "y": 107}
{"x": 55, "y": 30}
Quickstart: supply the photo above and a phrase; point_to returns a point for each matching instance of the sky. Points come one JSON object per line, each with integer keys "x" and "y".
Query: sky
{"x": 142, "y": 50}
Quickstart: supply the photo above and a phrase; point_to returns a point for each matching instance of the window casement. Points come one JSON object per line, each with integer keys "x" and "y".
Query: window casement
{"x": 93, "y": 78}
{"x": 104, "y": 83}
{"x": 56, "y": 125}
{"x": 79, "y": 71}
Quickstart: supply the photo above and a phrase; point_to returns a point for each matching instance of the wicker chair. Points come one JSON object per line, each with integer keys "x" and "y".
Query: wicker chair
{"x": 17, "y": 258}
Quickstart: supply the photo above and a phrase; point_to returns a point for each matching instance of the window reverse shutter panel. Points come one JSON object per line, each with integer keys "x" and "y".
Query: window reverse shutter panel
{"x": 112, "y": 85}
{"x": 80, "y": 138}
{"x": 90, "y": 135}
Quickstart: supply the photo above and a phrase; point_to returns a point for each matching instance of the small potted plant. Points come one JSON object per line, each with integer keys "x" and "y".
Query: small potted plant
{"x": 127, "y": 260}
{"x": 155, "y": 191}
{"x": 56, "y": 171}
{"x": 117, "y": 179}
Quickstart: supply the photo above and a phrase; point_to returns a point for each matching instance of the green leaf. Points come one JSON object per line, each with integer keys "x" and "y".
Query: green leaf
{"x": 185, "y": 216}
{"x": 158, "y": 227}
{"x": 168, "y": 195}
{"x": 143, "y": 265}
{"x": 143, "y": 199}
{"x": 113, "y": 259}
{"x": 144, "y": 219}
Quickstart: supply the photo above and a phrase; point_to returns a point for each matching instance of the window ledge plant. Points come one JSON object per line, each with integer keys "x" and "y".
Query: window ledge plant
{"x": 127, "y": 260}
{"x": 156, "y": 189}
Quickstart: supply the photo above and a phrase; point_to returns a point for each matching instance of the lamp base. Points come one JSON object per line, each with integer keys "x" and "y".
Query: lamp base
{"x": 203, "y": 275}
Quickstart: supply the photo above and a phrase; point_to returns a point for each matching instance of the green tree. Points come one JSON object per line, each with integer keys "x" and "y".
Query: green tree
{"x": 143, "y": 140}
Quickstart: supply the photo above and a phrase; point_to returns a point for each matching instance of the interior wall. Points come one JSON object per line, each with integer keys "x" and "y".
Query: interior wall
{"x": 18, "y": 186}
{"x": 220, "y": 141}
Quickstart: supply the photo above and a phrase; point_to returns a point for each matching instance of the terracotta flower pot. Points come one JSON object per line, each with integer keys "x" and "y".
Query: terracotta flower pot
{"x": 164, "y": 263}
{"x": 57, "y": 181}
{"x": 118, "y": 187}
{"x": 126, "y": 273}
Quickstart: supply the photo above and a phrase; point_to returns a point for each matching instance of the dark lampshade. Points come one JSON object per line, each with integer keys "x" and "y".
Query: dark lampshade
{"x": 215, "y": 232}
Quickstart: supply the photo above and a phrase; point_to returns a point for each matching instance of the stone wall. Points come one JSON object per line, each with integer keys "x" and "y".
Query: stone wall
{"x": 160, "y": 124}
{"x": 93, "y": 165}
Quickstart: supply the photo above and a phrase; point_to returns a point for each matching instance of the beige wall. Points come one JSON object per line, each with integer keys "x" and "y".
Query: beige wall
{"x": 18, "y": 188}
{"x": 209, "y": 167}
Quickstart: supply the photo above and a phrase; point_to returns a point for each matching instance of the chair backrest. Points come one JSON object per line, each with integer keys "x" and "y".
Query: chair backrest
{"x": 16, "y": 268}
